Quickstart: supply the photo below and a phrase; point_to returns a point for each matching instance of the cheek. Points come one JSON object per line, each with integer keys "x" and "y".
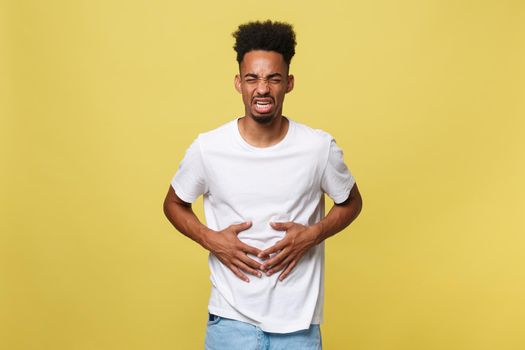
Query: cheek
{"x": 279, "y": 96}
{"x": 246, "y": 97}
{"x": 246, "y": 94}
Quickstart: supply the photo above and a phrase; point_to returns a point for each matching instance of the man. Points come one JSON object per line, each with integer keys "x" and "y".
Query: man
{"x": 263, "y": 177}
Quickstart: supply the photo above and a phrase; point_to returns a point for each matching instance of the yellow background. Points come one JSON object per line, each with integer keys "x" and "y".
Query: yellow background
{"x": 99, "y": 100}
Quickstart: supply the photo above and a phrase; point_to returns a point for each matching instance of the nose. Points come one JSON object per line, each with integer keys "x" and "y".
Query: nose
{"x": 262, "y": 87}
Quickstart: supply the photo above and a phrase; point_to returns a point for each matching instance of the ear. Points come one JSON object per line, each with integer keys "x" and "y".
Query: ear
{"x": 290, "y": 84}
{"x": 237, "y": 82}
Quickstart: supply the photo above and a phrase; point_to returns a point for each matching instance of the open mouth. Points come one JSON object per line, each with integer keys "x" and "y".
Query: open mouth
{"x": 263, "y": 105}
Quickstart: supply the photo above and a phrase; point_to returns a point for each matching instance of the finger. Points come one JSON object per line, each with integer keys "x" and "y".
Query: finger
{"x": 250, "y": 262}
{"x": 265, "y": 254}
{"x": 249, "y": 249}
{"x": 288, "y": 269}
{"x": 238, "y": 273}
{"x": 244, "y": 267}
{"x": 240, "y": 227}
{"x": 281, "y": 226}
{"x": 275, "y": 260}
{"x": 282, "y": 265}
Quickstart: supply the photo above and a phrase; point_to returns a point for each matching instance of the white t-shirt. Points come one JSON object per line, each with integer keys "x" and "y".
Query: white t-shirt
{"x": 283, "y": 182}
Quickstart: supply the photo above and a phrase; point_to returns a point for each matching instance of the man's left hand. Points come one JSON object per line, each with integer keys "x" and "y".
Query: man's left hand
{"x": 290, "y": 249}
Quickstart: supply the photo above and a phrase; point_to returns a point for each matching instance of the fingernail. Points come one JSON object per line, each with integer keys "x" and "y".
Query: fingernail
{"x": 259, "y": 274}
{"x": 269, "y": 273}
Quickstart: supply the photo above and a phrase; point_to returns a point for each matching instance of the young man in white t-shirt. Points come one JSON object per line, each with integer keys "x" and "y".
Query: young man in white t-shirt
{"x": 263, "y": 177}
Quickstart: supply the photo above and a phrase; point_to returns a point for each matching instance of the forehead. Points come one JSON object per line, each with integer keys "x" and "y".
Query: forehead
{"x": 263, "y": 62}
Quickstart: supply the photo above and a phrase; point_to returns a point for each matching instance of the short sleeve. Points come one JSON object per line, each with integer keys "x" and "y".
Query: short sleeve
{"x": 337, "y": 180}
{"x": 189, "y": 182}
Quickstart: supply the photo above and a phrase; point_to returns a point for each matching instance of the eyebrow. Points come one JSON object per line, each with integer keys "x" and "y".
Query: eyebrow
{"x": 269, "y": 76}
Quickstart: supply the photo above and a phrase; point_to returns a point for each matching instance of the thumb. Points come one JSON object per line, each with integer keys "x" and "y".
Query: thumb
{"x": 241, "y": 227}
{"x": 281, "y": 226}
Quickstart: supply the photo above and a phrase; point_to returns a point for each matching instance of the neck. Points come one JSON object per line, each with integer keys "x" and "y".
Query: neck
{"x": 263, "y": 135}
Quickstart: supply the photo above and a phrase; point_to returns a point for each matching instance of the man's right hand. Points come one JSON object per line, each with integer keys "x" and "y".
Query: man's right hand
{"x": 232, "y": 252}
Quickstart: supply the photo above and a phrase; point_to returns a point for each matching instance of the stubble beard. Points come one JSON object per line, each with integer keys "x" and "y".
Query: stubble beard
{"x": 263, "y": 119}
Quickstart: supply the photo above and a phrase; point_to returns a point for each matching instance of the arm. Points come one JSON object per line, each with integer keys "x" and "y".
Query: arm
{"x": 223, "y": 244}
{"x": 299, "y": 238}
{"x": 340, "y": 216}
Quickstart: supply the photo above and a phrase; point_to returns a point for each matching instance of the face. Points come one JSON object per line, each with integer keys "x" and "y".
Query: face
{"x": 263, "y": 81}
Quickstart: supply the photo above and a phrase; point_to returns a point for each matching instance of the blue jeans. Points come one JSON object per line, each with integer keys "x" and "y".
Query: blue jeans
{"x": 226, "y": 334}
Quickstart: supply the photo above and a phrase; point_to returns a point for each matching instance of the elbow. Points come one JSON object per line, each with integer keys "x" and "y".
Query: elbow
{"x": 165, "y": 208}
{"x": 168, "y": 207}
{"x": 359, "y": 206}
{"x": 356, "y": 200}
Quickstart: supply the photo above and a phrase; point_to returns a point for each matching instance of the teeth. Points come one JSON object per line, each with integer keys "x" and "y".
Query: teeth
{"x": 263, "y": 107}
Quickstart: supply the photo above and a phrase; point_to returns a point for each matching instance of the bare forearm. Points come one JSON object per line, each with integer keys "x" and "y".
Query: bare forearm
{"x": 299, "y": 238}
{"x": 185, "y": 221}
{"x": 224, "y": 244}
{"x": 339, "y": 217}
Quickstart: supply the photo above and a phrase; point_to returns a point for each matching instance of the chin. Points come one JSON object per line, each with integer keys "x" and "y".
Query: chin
{"x": 263, "y": 119}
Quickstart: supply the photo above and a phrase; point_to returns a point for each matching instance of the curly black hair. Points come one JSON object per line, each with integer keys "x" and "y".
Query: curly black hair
{"x": 268, "y": 36}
